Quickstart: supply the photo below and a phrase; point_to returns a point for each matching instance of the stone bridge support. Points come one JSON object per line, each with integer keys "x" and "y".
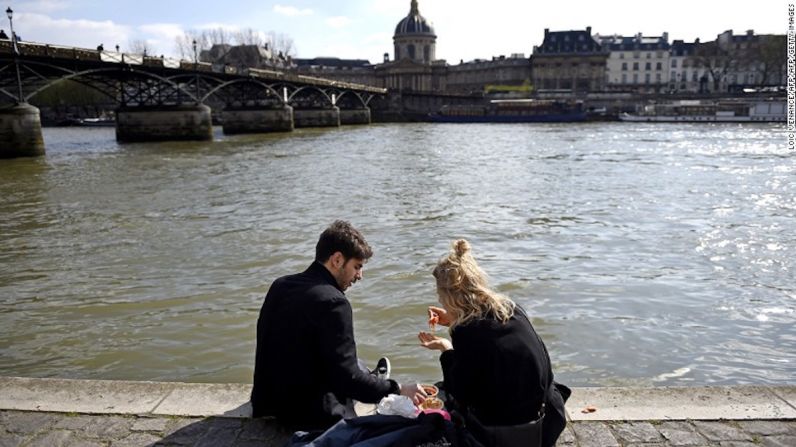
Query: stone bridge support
{"x": 20, "y": 131}
{"x": 237, "y": 121}
{"x": 355, "y": 116}
{"x": 316, "y": 117}
{"x": 189, "y": 122}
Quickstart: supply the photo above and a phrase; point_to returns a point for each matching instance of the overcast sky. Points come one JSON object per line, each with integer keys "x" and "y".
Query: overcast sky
{"x": 363, "y": 29}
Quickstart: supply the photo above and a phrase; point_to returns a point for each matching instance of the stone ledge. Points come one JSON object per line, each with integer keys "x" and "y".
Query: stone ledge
{"x": 231, "y": 400}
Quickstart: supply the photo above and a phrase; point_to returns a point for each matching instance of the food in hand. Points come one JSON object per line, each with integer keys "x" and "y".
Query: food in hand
{"x": 431, "y": 390}
{"x": 433, "y": 321}
{"x": 431, "y": 403}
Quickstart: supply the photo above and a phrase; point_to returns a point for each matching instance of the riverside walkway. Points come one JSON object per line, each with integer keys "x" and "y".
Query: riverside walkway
{"x": 59, "y": 412}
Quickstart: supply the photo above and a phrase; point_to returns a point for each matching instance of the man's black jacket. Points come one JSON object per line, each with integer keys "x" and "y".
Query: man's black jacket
{"x": 306, "y": 369}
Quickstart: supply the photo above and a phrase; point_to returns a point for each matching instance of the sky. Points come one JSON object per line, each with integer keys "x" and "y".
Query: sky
{"x": 363, "y": 29}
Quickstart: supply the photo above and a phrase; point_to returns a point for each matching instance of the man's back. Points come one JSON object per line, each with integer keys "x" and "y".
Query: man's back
{"x": 306, "y": 365}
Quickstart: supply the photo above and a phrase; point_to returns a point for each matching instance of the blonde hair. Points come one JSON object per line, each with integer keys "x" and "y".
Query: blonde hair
{"x": 463, "y": 288}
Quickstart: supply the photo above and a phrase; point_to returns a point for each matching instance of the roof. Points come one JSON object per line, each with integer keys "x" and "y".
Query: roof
{"x": 576, "y": 41}
{"x": 414, "y": 24}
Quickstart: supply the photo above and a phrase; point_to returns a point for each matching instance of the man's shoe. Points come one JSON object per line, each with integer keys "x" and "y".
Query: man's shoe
{"x": 382, "y": 370}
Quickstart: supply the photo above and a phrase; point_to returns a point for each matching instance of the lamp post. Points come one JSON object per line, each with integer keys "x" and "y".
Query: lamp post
{"x": 10, "y": 14}
{"x": 196, "y": 71}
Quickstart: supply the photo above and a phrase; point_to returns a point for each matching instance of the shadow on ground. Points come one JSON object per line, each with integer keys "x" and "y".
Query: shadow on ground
{"x": 221, "y": 432}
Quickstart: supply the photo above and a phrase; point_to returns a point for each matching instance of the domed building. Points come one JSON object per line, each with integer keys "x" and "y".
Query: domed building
{"x": 415, "y": 66}
{"x": 414, "y": 38}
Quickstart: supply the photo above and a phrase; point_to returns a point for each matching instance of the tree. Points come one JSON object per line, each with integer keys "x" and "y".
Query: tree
{"x": 717, "y": 61}
{"x": 773, "y": 55}
{"x": 282, "y": 43}
{"x": 139, "y": 46}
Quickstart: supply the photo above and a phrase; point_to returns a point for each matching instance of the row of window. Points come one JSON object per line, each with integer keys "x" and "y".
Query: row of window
{"x": 647, "y": 66}
{"x": 637, "y": 55}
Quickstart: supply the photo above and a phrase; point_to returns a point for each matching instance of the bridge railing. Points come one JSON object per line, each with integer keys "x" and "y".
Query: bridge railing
{"x": 33, "y": 49}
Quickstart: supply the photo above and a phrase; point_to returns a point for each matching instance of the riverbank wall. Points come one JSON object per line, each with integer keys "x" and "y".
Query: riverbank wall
{"x": 50, "y": 412}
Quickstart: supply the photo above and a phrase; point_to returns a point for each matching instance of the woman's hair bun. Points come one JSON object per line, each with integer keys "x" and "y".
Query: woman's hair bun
{"x": 461, "y": 247}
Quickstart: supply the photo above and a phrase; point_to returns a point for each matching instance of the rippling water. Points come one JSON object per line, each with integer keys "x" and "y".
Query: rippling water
{"x": 647, "y": 254}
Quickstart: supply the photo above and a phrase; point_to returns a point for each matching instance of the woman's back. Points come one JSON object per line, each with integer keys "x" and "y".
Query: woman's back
{"x": 500, "y": 371}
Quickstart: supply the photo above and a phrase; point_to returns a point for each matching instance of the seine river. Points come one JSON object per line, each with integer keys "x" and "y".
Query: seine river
{"x": 647, "y": 254}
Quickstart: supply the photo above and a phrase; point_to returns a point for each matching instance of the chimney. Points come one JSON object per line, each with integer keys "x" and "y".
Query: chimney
{"x": 546, "y": 31}
{"x": 750, "y": 32}
{"x": 588, "y": 30}
{"x": 386, "y": 57}
{"x": 665, "y": 36}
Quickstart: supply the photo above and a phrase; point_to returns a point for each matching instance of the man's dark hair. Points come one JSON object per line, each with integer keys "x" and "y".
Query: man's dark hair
{"x": 342, "y": 237}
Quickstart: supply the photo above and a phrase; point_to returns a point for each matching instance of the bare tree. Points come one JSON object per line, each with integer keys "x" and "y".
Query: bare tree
{"x": 773, "y": 55}
{"x": 718, "y": 61}
{"x": 249, "y": 36}
{"x": 282, "y": 43}
{"x": 139, "y": 46}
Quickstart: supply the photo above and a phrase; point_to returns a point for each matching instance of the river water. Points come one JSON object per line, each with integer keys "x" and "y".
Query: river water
{"x": 647, "y": 254}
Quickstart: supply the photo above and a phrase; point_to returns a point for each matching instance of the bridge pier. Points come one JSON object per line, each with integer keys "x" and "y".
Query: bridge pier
{"x": 317, "y": 117}
{"x": 20, "y": 132}
{"x": 188, "y": 122}
{"x": 257, "y": 120}
{"x": 355, "y": 116}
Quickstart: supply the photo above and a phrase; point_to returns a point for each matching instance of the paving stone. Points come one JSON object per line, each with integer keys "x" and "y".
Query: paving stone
{"x": 77, "y": 422}
{"x": 778, "y": 441}
{"x": 681, "y": 433}
{"x": 56, "y": 438}
{"x": 28, "y": 422}
{"x": 11, "y": 439}
{"x": 185, "y": 432}
{"x": 567, "y": 437}
{"x": 136, "y": 440}
{"x": 738, "y": 444}
{"x": 219, "y": 437}
{"x": 108, "y": 427}
{"x": 645, "y": 444}
{"x": 594, "y": 434}
{"x": 721, "y": 431}
{"x": 151, "y": 424}
{"x": 636, "y": 432}
{"x": 764, "y": 428}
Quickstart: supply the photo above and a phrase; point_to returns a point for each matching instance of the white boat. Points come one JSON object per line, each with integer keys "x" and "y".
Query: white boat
{"x": 695, "y": 111}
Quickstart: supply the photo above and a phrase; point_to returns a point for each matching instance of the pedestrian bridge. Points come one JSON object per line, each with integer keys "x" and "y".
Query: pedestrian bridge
{"x": 168, "y": 99}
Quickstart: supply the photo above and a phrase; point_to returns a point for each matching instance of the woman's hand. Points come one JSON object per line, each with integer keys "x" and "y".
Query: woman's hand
{"x": 438, "y": 315}
{"x": 431, "y": 341}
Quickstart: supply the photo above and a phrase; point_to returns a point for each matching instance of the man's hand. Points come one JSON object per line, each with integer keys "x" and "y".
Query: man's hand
{"x": 414, "y": 391}
{"x": 431, "y": 341}
{"x": 438, "y": 315}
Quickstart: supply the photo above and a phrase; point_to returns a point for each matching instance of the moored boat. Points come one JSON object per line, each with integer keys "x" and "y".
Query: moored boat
{"x": 512, "y": 111}
{"x": 764, "y": 111}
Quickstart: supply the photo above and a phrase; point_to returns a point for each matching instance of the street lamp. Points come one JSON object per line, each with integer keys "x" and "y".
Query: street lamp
{"x": 10, "y": 14}
{"x": 196, "y": 71}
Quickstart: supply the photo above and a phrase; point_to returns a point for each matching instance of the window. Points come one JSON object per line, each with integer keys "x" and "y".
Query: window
{"x": 648, "y": 66}
{"x": 646, "y": 78}
{"x": 624, "y": 66}
{"x": 657, "y": 77}
{"x": 411, "y": 50}
{"x": 635, "y": 65}
{"x": 673, "y": 76}
{"x": 624, "y": 78}
{"x": 635, "y": 55}
{"x": 674, "y": 63}
{"x": 621, "y": 55}
{"x": 427, "y": 54}
{"x": 649, "y": 55}
{"x": 658, "y": 66}
{"x": 635, "y": 78}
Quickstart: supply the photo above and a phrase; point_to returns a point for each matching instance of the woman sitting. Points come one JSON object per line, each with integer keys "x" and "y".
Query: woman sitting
{"x": 495, "y": 366}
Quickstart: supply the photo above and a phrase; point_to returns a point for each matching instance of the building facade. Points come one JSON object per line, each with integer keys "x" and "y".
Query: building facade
{"x": 571, "y": 61}
{"x": 637, "y": 63}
